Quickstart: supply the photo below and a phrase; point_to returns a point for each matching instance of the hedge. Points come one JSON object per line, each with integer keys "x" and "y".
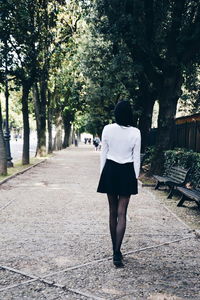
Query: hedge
{"x": 181, "y": 157}
{"x": 186, "y": 159}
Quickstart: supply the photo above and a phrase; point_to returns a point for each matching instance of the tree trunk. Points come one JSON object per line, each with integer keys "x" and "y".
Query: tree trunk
{"x": 146, "y": 99}
{"x": 68, "y": 117}
{"x": 50, "y": 137}
{"x": 42, "y": 136}
{"x": 26, "y": 132}
{"x": 136, "y": 109}
{"x": 67, "y": 129}
{"x": 40, "y": 114}
{"x": 145, "y": 121}
{"x": 58, "y": 136}
{"x": 169, "y": 95}
{"x": 3, "y": 155}
{"x": 49, "y": 122}
{"x": 42, "y": 88}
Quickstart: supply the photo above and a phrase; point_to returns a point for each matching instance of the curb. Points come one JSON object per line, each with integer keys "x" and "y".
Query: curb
{"x": 21, "y": 172}
{"x": 145, "y": 184}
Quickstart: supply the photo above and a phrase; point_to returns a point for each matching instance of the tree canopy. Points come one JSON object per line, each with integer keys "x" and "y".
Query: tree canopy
{"x": 73, "y": 61}
{"x": 162, "y": 38}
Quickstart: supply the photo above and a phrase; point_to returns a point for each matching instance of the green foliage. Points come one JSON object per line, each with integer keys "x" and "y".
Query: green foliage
{"x": 92, "y": 123}
{"x": 161, "y": 39}
{"x": 105, "y": 75}
{"x": 65, "y": 82}
{"x": 180, "y": 157}
{"x": 190, "y": 98}
{"x": 19, "y": 37}
{"x": 186, "y": 159}
{"x": 149, "y": 154}
{"x": 91, "y": 54}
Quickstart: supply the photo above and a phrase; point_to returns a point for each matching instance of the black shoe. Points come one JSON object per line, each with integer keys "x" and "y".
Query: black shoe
{"x": 120, "y": 254}
{"x": 117, "y": 260}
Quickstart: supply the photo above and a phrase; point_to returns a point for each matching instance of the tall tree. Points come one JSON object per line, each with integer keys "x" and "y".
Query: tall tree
{"x": 18, "y": 30}
{"x": 163, "y": 38}
{"x": 107, "y": 78}
{"x": 64, "y": 81}
{"x": 6, "y": 58}
{"x": 57, "y": 23}
{"x": 23, "y": 40}
{"x": 111, "y": 74}
{"x": 44, "y": 26}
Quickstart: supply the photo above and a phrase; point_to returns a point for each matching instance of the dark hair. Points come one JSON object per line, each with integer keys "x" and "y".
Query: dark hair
{"x": 123, "y": 113}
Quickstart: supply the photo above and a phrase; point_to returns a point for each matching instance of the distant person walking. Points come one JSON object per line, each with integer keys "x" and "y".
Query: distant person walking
{"x": 96, "y": 142}
{"x": 120, "y": 166}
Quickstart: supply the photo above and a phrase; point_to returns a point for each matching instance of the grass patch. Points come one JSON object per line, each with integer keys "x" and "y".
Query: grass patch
{"x": 146, "y": 180}
{"x": 18, "y": 167}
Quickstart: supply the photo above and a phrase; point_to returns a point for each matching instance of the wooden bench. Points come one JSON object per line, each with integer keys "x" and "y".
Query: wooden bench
{"x": 174, "y": 177}
{"x": 189, "y": 195}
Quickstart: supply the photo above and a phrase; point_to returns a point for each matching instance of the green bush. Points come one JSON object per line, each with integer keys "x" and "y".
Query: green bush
{"x": 186, "y": 159}
{"x": 149, "y": 152}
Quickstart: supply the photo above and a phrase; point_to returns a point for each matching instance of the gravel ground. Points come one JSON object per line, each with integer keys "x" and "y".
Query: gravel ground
{"x": 189, "y": 212}
{"x": 54, "y": 226}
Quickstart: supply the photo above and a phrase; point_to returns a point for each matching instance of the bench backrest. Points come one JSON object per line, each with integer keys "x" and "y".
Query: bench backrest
{"x": 178, "y": 174}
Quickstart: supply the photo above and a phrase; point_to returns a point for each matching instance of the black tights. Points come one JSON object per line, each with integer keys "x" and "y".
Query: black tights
{"x": 118, "y": 207}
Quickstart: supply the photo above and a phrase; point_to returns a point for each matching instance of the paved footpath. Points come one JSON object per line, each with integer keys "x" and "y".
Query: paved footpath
{"x": 54, "y": 240}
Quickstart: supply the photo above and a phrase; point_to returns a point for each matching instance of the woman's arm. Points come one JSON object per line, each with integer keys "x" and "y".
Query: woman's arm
{"x": 136, "y": 155}
{"x": 104, "y": 149}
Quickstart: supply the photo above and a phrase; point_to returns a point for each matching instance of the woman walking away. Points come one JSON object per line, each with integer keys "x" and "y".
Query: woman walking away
{"x": 120, "y": 165}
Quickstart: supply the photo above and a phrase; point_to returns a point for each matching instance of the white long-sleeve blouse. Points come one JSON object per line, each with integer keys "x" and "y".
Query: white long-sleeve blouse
{"x": 121, "y": 144}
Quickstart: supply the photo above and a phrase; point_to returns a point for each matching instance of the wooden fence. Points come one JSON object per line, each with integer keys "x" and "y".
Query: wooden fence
{"x": 186, "y": 135}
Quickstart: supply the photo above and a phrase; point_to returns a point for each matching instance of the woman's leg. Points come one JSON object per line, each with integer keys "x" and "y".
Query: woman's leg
{"x": 121, "y": 221}
{"x": 113, "y": 208}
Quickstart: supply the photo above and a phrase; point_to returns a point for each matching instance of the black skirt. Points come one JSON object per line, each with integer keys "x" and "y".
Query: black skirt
{"x": 118, "y": 179}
